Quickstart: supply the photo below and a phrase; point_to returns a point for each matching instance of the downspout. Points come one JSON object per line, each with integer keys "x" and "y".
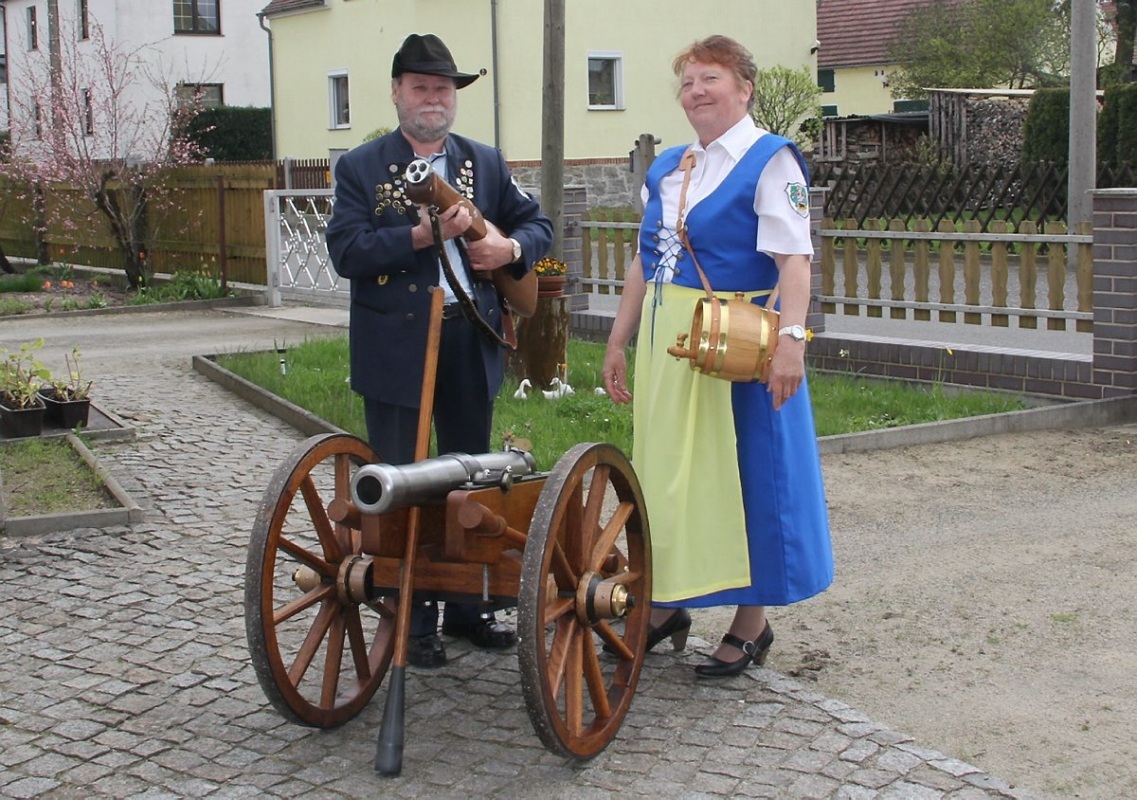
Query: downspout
{"x": 271, "y": 83}
{"x": 493, "y": 66}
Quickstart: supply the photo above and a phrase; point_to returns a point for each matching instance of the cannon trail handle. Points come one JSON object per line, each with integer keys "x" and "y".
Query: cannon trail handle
{"x": 389, "y": 753}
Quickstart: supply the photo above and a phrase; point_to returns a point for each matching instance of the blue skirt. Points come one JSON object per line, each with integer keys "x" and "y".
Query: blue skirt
{"x": 733, "y": 489}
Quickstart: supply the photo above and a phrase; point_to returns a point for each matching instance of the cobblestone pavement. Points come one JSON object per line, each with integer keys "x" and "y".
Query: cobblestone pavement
{"x": 126, "y": 672}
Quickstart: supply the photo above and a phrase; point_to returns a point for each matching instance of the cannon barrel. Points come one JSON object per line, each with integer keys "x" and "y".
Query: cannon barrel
{"x": 378, "y": 488}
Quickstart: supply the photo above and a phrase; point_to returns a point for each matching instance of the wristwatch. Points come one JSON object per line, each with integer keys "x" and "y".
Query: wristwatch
{"x": 795, "y": 332}
{"x": 516, "y": 250}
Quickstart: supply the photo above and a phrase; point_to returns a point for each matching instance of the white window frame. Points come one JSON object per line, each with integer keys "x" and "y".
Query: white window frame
{"x": 196, "y": 23}
{"x": 339, "y": 113}
{"x": 616, "y": 58}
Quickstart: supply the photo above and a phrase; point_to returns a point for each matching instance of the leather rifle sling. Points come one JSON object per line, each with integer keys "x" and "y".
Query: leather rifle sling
{"x": 469, "y": 309}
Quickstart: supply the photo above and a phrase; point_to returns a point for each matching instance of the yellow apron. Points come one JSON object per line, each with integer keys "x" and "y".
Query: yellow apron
{"x": 686, "y": 458}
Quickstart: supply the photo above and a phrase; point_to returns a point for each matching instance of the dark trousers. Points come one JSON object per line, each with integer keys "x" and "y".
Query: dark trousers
{"x": 463, "y": 416}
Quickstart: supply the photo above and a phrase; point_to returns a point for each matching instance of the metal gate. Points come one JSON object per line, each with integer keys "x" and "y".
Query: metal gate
{"x": 299, "y": 267}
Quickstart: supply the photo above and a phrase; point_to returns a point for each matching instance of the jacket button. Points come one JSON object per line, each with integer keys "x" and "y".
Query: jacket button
{"x": 410, "y": 317}
{"x": 412, "y": 288}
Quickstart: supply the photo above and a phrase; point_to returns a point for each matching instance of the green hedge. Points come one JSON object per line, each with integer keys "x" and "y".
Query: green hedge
{"x": 231, "y": 133}
{"x": 1125, "y": 126}
{"x": 1046, "y": 134}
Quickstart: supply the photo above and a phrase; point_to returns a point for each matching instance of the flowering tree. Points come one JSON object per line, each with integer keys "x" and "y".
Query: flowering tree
{"x": 83, "y": 143}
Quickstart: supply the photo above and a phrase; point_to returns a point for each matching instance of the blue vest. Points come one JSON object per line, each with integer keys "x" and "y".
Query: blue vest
{"x": 723, "y": 227}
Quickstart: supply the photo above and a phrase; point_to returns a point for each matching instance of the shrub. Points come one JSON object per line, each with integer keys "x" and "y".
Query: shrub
{"x": 232, "y": 133}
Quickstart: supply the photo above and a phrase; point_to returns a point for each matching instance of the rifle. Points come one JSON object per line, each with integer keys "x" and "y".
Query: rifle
{"x": 426, "y": 187}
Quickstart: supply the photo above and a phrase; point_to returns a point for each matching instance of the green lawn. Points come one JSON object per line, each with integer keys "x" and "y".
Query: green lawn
{"x": 315, "y": 378}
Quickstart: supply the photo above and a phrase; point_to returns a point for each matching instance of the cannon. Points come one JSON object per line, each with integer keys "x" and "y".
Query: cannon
{"x": 341, "y": 540}
{"x": 376, "y": 488}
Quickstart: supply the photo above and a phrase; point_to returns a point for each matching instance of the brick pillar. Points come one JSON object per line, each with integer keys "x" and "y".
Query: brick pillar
{"x": 575, "y": 205}
{"x": 815, "y": 319}
{"x": 1115, "y": 291}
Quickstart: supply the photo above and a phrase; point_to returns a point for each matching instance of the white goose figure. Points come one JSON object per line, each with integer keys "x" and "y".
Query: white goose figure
{"x": 565, "y": 388}
{"x": 555, "y": 389}
{"x": 525, "y": 386}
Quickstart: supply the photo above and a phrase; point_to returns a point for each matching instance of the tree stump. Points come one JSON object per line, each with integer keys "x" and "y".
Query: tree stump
{"x": 542, "y": 343}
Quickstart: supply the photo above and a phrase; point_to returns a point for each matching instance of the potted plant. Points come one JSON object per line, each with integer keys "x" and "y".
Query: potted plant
{"x": 68, "y": 401}
{"x": 21, "y": 375}
{"x": 551, "y": 277}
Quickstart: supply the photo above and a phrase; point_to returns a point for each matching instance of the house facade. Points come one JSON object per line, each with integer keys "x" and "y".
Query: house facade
{"x": 211, "y": 50}
{"x": 332, "y": 65}
{"x": 853, "y": 63}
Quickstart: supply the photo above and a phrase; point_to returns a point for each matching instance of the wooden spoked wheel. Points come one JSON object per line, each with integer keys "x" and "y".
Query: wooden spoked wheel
{"x": 585, "y": 582}
{"x": 318, "y": 653}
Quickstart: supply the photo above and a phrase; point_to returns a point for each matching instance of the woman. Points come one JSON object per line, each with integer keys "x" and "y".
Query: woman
{"x": 730, "y": 471}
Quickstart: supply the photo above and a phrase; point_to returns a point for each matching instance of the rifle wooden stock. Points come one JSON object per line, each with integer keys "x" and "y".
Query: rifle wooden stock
{"x": 426, "y": 187}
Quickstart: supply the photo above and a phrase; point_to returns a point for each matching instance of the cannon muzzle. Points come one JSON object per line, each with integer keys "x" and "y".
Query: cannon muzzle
{"x": 378, "y": 488}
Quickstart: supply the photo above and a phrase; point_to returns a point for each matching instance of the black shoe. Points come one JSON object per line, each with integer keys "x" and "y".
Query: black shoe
{"x": 486, "y": 633}
{"x": 754, "y": 651}
{"x": 677, "y": 626}
{"x": 426, "y": 651}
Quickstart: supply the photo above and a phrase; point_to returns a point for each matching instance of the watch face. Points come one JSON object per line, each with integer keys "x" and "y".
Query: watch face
{"x": 516, "y": 250}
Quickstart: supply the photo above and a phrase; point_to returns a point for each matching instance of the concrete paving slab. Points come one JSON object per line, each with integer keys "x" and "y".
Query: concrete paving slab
{"x": 127, "y": 673}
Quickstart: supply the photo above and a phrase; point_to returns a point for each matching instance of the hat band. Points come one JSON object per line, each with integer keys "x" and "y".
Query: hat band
{"x": 427, "y": 67}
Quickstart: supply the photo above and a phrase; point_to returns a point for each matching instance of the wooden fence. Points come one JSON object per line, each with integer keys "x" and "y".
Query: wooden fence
{"x": 215, "y": 226}
{"x": 957, "y": 193}
{"x": 606, "y": 253}
{"x": 885, "y": 266}
{"x": 914, "y": 271}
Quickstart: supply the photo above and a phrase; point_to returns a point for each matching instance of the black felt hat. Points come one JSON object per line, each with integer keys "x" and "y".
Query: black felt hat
{"x": 427, "y": 55}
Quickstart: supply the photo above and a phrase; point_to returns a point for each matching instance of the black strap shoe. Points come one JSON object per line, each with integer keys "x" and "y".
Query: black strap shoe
{"x": 754, "y": 651}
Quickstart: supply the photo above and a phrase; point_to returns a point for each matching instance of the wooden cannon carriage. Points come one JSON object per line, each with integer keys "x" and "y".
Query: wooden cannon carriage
{"x": 341, "y": 538}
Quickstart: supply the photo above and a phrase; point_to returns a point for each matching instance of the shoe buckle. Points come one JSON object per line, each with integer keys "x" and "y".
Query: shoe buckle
{"x": 750, "y": 647}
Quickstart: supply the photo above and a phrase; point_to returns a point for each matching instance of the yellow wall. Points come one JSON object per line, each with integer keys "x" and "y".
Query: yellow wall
{"x": 859, "y": 90}
{"x": 363, "y": 35}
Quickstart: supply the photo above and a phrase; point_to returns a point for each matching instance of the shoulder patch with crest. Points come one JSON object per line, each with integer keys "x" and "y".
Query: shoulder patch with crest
{"x": 798, "y": 196}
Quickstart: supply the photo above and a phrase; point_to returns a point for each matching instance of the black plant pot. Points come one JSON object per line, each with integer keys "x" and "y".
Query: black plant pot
{"x": 16, "y": 423}
{"x": 66, "y": 413}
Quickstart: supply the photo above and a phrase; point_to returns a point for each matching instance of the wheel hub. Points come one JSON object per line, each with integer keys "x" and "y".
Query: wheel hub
{"x": 600, "y": 598}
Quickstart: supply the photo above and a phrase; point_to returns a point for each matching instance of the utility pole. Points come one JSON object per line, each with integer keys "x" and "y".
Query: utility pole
{"x": 553, "y": 124}
{"x": 1083, "y": 116}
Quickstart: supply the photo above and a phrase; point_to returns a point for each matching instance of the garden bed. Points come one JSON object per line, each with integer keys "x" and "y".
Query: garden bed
{"x": 86, "y": 483}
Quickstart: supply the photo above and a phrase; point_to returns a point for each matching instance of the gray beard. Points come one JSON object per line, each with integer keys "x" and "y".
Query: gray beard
{"x": 424, "y": 133}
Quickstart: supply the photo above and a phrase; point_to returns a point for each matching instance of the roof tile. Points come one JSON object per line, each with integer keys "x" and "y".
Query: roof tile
{"x": 860, "y": 32}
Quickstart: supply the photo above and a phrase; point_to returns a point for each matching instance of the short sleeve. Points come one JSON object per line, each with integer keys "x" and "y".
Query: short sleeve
{"x": 781, "y": 202}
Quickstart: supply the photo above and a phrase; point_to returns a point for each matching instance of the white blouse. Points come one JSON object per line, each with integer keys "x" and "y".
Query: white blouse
{"x": 781, "y": 228}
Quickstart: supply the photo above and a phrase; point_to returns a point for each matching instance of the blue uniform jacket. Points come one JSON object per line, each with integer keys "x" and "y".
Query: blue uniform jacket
{"x": 369, "y": 240}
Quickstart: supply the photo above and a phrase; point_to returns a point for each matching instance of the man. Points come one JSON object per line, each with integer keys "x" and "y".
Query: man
{"x": 385, "y": 245}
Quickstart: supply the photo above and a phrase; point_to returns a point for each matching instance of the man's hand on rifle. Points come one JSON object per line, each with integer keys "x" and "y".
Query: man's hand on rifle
{"x": 491, "y": 252}
{"x": 453, "y": 222}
